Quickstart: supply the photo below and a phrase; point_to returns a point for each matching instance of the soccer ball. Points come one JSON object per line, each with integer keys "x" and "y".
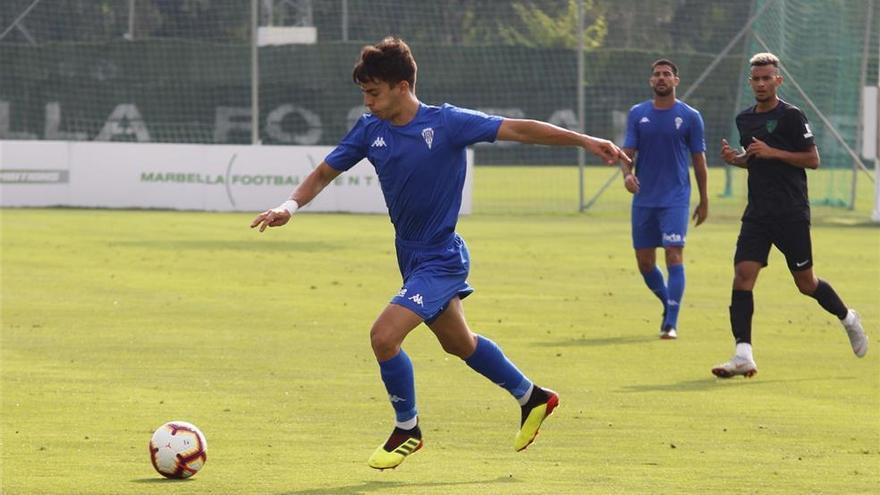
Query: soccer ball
{"x": 178, "y": 450}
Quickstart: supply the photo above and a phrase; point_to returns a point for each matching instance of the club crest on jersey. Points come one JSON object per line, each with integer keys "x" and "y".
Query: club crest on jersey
{"x": 428, "y": 134}
{"x": 771, "y": 125}
{"x": 678, "y": 122}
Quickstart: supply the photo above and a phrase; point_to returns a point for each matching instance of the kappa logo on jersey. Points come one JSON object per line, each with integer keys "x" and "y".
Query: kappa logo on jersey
{"x": 678, "y": 122}
{"x": 418, "y": 300}
{"x": 379, "y": 143}
{"x": 428, "y": 134}
{"x": 809, "y": 133}
{"x": 644, "y": 120}
{"x": 771, "y": 125}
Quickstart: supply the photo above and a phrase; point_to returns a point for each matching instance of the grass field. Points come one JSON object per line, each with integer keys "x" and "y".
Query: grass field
{"x": 114, "y": 322}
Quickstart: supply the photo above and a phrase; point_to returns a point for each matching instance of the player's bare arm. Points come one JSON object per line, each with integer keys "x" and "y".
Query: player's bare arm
{"x": 630, "y": 181}
{"x": 800, "y": 159}
{"x": 536, "y": 132}
{"x": 733, "y": 157}
{"x": 701, "y": 172}
{"x": 313, "y": 184}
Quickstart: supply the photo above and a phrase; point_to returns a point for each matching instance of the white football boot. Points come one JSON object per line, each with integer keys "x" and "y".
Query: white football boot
{"x": 857, "y": 338}
{"x": 738, "y": 365}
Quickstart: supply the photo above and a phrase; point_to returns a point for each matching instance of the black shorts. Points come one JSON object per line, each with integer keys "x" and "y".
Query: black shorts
{"x": 792, "y": 238}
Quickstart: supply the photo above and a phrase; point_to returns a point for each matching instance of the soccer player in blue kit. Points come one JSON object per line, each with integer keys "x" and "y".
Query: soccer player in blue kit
{"x": 418, "y": 152}
{"x": 664, "y": 131}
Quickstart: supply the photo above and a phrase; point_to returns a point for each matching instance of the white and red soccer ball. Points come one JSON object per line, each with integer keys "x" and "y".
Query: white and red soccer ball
{"x": 178, "y": 450}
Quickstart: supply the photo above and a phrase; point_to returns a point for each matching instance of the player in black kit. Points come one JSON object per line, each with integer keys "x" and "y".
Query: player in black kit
{"x": 777, "y": 147}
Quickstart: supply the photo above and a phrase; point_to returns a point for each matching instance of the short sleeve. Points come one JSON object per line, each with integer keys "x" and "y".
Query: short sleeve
{"x": 351, "y": 149}
{"x": 632, "y": 131}
{"x": 696, "y": 138}
{"x": 467, "y": 127}
{"x": 801, "y": 133}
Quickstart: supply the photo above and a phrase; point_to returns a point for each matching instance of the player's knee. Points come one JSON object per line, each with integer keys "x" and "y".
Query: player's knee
{"x": 383, "y": 342}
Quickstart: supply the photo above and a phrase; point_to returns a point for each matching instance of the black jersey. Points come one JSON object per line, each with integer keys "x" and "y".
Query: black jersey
{"x": 777, "y": 190}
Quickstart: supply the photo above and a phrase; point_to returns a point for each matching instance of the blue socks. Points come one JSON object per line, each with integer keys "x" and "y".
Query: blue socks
{"x": 675, "y": 291}
{"x": 397, "y": 373}
{"x": 654, "y": 281}
{"x": 669, "y": 294}
{"x": 489, "y": 361}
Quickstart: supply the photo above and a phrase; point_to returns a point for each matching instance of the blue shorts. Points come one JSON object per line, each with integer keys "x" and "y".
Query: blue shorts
{"x": 659, "y": 226}
{"x": 432, "y": 275}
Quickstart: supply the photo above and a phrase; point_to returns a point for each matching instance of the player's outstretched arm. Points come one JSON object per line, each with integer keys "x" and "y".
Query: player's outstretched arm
{"x": 537, "y": 132}
{"x": 313, "y": 184}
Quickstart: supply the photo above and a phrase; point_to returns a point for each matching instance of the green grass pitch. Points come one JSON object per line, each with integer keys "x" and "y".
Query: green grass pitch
{"x": 114, "y": 322}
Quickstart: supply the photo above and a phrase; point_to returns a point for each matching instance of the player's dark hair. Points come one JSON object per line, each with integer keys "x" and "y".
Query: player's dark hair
{"x": 765, "y": 58}
{"x": 665, "y": 61}
{"x": 389, "y": 61}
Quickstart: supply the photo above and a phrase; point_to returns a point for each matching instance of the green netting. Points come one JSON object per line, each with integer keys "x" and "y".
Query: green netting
{"x": 180, "y": 71}
{"x": 822, "y": 46}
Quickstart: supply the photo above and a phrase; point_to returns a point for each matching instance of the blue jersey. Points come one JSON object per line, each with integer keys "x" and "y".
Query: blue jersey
{"x": 421, "y": 165}
{"x": 664, "y": 140}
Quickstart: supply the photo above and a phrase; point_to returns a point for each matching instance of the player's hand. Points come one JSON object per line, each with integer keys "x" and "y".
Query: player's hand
{"x": 701, "y": 212}
{"x": 728, "y": 154}
{"x": 760, "y": 149}
{"x": 276, "y": 217}
{"x": 631, "y": 183}
{"x": 607, "y": 151}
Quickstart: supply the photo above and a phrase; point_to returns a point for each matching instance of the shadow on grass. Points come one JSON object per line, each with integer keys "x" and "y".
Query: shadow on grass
{"x": 712, "y": 383}
{"x": 367, "y": 487}
{"x": 602, "y": 341}
{"x": 158, "y": 479}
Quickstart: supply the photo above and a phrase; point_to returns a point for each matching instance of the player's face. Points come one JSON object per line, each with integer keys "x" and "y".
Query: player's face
{"x": 383, "y": 99}
{"x": 764, "y": 80}
{"x": 663, "y": 81}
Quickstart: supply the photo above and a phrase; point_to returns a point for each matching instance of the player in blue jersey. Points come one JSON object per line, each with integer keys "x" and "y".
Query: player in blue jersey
{"x": 662, "y": 135}
{"x": 418, "y": 152}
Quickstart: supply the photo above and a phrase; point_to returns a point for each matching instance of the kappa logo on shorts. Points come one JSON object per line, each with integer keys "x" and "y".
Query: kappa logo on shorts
{"x": 395, "y": 399}
{"x": 402, "y": 292}
{"x": 418, "y": 300}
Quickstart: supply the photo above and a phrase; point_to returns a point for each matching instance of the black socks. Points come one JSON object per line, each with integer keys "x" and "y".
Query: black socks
{"x": 742, "y": 306}
{"x": 829, "y": 299}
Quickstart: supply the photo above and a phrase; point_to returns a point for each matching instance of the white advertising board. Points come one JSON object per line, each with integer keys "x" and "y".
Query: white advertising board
{"x": 180, "y": 177}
